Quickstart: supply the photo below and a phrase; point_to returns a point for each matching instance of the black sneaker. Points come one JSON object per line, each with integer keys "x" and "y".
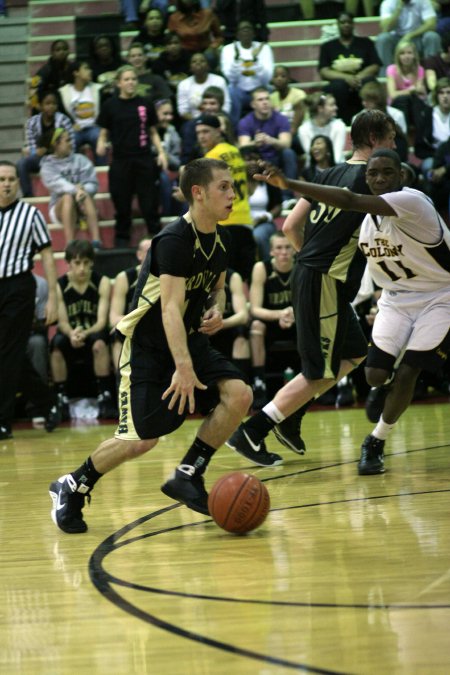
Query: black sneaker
{"x": 372, "y": 456}
{"x": 53, "y": 419}
{"x": 256, "y": 453}
{"x": 63, "y": 404}
{"x": 5, "y": 433}
{"x": 344, "y": 396}
{"x": 375, "y": 402}
{"x": 107, "y": 409}
{"x": 68, "y": 501}
{"x": 288, "y": 432}
{"x": 259, "y": 394}
{"x": 187, "y": 487}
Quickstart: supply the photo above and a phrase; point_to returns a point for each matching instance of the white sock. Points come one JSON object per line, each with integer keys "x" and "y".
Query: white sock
{"x": 382, "y": 430}
{"x": 272, "y": 411}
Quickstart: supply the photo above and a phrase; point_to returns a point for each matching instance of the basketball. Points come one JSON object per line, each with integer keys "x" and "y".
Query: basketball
{"x": 239, "y": 502}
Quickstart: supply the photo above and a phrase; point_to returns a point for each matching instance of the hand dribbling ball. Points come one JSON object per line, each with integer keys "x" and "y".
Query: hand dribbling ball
{"x": 239, "y": 502}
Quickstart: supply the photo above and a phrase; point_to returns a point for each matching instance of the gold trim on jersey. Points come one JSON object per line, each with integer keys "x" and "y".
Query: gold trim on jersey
{"x": 198, "y": 244}
{"x": 125, "y": 429}
{"x": 149, "y": 297}
{"x": 340, "y": 265}
{"x": 328, "y": 322}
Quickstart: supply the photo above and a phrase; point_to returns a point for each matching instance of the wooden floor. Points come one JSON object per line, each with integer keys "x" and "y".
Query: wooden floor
{"x": 348, "y": 574}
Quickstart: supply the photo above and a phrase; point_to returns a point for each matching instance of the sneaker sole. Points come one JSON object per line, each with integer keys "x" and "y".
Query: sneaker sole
{"x": 366, "y": 472}
{"x": 284, "y": 441}
{"x": 274, "y": 463}
{"x": 169, "y": 493}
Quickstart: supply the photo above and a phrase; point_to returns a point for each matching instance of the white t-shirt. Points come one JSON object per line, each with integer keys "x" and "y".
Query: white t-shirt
{"x": 411, "y": 250}
{"x": 411, "y": 16}
{"x": 82, "y": 107}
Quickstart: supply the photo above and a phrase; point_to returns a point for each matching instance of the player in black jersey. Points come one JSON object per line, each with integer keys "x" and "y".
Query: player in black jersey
{"x": 271, "y": 309}
{"x": 122, "y": 295}
{"x": 167, "y": 366}
{"x": 325, "y": 279}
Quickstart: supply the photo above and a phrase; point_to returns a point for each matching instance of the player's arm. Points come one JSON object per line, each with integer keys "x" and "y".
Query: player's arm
{"x": 341, "y": 198}
{"x": 63, "y": 319}
{"x": 184, "y": 379}
{"x": 48, "y": 263}
{"x": 212, "y": 319}
{"x": 239, "y": 303}
{"x": 118, "y": 300}
{"x": 104, "y": 292}
{"x": 293, "y": 226}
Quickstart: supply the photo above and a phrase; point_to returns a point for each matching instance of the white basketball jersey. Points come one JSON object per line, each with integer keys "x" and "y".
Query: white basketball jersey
{"x": 395, "y": 246}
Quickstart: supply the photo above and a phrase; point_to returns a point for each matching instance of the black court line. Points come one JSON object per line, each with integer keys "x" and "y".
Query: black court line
{"x": 104, "y": 581}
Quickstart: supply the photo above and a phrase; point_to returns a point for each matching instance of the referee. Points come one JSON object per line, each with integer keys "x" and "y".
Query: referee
{"x": 23, "y": 232}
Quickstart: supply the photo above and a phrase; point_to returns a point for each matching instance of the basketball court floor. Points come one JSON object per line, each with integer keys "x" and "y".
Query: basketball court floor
{"x": 348, "y": 574}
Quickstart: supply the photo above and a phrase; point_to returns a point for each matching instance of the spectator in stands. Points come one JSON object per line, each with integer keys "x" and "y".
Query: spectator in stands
{"x": 72, "y": 182}
{"x": 231, "y": 340}
{"x": 199, "y": 29}
{"x": 242, "y": 248}
{"x": 414, "y": 21}
{"x": 308, "y": 7}
{"x": 442, "y": 8}
{"x": 173, "y": 63}
{"x": 433, "y": 125}
{"x": 289, "y": 101}
{"x": 150, "y": 86}
{"x": 129, "y": 122}
{"x": 122, "y": 295}
{"x": 437, "y": 179}
{"x": 322, "y": 120}
{"x": 190, "y": 90}
{"x": 171, "y": 143}
{"x": 82, "y": 335}
{"x": 232, "y": 12}
{"x": 321, "y": 157}
{"x": 105, "y": 60}
{"x": 81, "y": 101}
{"x": 130, "y": 13}
{"x": 151, "y": 35}
{"x": 374, "y": 97}
{"x": 270, "y": 132}
{"x": 54, "y": 74}
{"x": 347, "y": 62}
{"x": 271, "y": 310}
{"x": 438, "y": 66}
{"x": 265, "y": 206}
{"x": 406, "y": 81}
{"x": 38, "y": 132}
{"x": 246, "y": 64}
{"x": 212, "y": 102}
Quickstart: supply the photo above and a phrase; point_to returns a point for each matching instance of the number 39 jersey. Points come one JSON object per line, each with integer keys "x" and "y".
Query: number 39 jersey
{"x": 411, "y": 250}
{"x": 240, "y": 214}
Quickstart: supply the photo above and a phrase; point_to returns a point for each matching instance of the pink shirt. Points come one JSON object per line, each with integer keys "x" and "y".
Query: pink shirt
{"x": 401, "y": 81}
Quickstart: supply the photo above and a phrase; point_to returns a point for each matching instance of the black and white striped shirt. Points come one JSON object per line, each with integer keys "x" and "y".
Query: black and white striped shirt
{"x": 23, "y": 232}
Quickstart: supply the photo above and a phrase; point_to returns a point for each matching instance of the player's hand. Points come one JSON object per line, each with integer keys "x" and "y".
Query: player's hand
{"x": 286, "y": 319}
{"x": 212, "y": 321}
{"x": 181, "y": 390}
{"x": 272, "y": 175}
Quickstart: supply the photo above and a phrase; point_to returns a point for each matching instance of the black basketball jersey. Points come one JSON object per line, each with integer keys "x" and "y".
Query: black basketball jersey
{"x": 277, "y": 288}
{"x": 179, "y": 250}
{"x": 132, "y": 274}
{"x": 331, "y": 235}
{"x": 82, "y": 308}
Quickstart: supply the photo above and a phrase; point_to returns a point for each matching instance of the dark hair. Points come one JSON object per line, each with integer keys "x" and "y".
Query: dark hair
{"x": 374, "y": 91}
{"x": 75, "y": 66}
{"x": 169, "y": 36}
{"x": 445, "y": 41}
{"x": 442, "y": 83}
{"x": 47, "y": 92}
{"x": 330, "y": 149}
{"x": 386, "y": 152}
{"x": 199, "y": 172}
{"x": 56, "y": 42}
{"x": 79, "y": 248}
{"x": 113, "y": 41}
{"x": 181, "y": 7}
{"x": 347, "y": 14}
{"x": 370, "y": 123}
{"x": 317, "y": 100}
{"x": 214, "y": 92}
{"x": 6, "y": 162}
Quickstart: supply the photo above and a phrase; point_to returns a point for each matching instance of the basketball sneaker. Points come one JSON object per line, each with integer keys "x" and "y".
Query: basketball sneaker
{"x": 107, "y": 408}
{"x": 68, "y": 501}
{"x": 288, "y": 432}
{"x": 375, "y": 402}
{"x": 372, "y": 456}
{"x": 188, "y": 487}
{"x": 259, "y": 394}
{"x": 63, "y": 405}
{"x": 255, "y": 452}
{"x": 53, "y": 419}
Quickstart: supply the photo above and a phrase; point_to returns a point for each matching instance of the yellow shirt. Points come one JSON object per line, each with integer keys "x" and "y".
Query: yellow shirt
{"x": 240, "y": 214}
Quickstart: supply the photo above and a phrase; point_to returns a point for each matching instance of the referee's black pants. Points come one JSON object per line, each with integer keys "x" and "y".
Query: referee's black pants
{"x": 134, "y": 176}
{"x": 17, "y": 302}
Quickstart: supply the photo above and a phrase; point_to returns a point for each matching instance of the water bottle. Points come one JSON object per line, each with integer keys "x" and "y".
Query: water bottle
{"x": 288, "y": 374}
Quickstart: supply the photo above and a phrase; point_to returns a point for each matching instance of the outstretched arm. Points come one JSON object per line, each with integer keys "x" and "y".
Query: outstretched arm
{"x": 342, "y": 198}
